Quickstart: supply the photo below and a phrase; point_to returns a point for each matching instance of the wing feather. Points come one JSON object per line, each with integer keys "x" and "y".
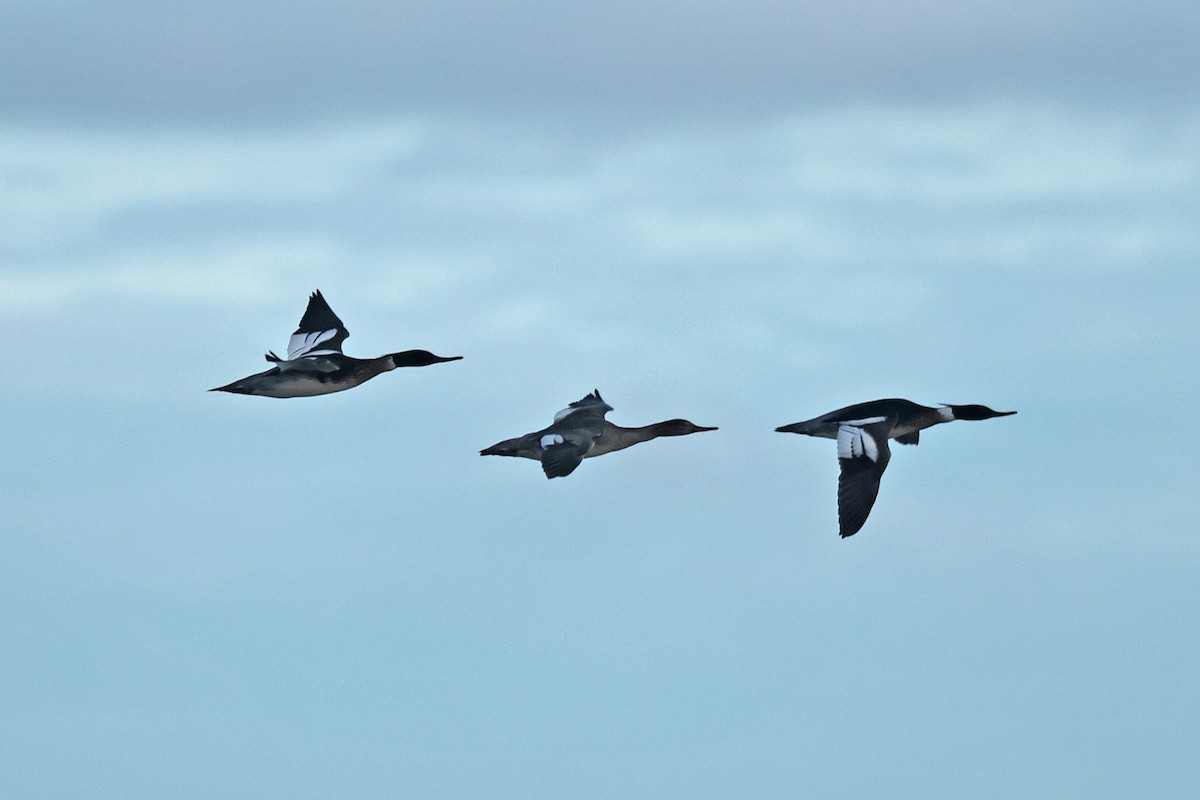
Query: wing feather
{"x": 863, "y": 455}
{"x": 320, "y": 332}
{"x": 560, "y": 460}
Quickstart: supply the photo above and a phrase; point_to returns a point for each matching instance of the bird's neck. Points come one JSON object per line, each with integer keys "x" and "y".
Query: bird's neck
{"x": 616, "y": 437}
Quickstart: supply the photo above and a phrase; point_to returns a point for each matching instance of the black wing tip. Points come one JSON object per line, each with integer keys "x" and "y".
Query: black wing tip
{"x": 849, "y": 530}
{"x": 556, "y": 470}
{"x": 848, "y": 525}
{"x": 559, "y": 464}
{"x": 318, "y": 316}
{"x": 317, "y": 299}
{"x": 858, "y": 489}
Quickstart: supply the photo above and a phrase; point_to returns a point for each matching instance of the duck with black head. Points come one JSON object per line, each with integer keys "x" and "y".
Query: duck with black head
{"x": 315, "y": 363}
{"x": 862, "y": 432}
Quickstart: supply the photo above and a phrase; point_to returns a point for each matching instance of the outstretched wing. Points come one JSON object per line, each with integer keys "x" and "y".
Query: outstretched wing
{"x": 863, "y": 455}
{"x": 590, "y": 404}
{"x": 574, "y": 432}
{"x": 560, "y": 456}
{"x": 320, "y": 333}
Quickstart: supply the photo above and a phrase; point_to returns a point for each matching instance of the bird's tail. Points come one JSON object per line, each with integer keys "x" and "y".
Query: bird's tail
{"x": 507, "y": 448}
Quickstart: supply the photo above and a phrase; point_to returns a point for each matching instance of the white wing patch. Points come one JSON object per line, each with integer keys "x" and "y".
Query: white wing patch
{"x": 303, "y": 344}
{"x": 854, "y": 442}
{"x": 566, "y": 412}
{"x": 551, "y": 439}
{"x": 862, "y": 423}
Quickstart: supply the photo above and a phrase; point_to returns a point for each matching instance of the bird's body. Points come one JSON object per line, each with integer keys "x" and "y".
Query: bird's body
{"x": 580, "y": 431}
{"x": 862, "y": 432}
{"x": 316, "y": 365}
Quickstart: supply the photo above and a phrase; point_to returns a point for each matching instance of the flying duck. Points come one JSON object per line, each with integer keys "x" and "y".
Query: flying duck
{"x": 862, "y": 432}
{"x": 580, "y": 431}
{"x": 315, "y": 363}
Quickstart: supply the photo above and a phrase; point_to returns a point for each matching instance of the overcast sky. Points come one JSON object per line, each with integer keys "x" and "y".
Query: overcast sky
{"x": 741, "y": 214}
{"x": 224, "y": 61}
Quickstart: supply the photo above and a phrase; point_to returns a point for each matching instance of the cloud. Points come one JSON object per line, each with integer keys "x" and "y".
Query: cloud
{"x": 807, "y": 239}
{"x": 277, "y": 60}
{"x": 403, "y": 208}
{"x": 58, "y": 181}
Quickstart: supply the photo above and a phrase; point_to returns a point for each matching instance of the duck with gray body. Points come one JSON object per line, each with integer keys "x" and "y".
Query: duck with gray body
{"x": 580, "y": 431}
{"x": 862, "y": 432}
{"x": 316, "y": 365}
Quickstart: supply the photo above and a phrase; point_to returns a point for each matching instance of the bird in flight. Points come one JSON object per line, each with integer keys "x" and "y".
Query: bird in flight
{"x": 315, "y": 363}
{"x": 580, "y": 431}
{"x": 862, "y": 432}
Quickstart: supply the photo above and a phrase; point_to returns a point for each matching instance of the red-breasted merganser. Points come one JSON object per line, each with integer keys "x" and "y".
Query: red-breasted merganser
{"x": 862, "y": 432}
{"x": 315, "y": 363}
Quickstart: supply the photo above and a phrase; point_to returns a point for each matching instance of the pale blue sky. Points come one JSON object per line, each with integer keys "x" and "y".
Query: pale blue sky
{"x": 745, "y": 215}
